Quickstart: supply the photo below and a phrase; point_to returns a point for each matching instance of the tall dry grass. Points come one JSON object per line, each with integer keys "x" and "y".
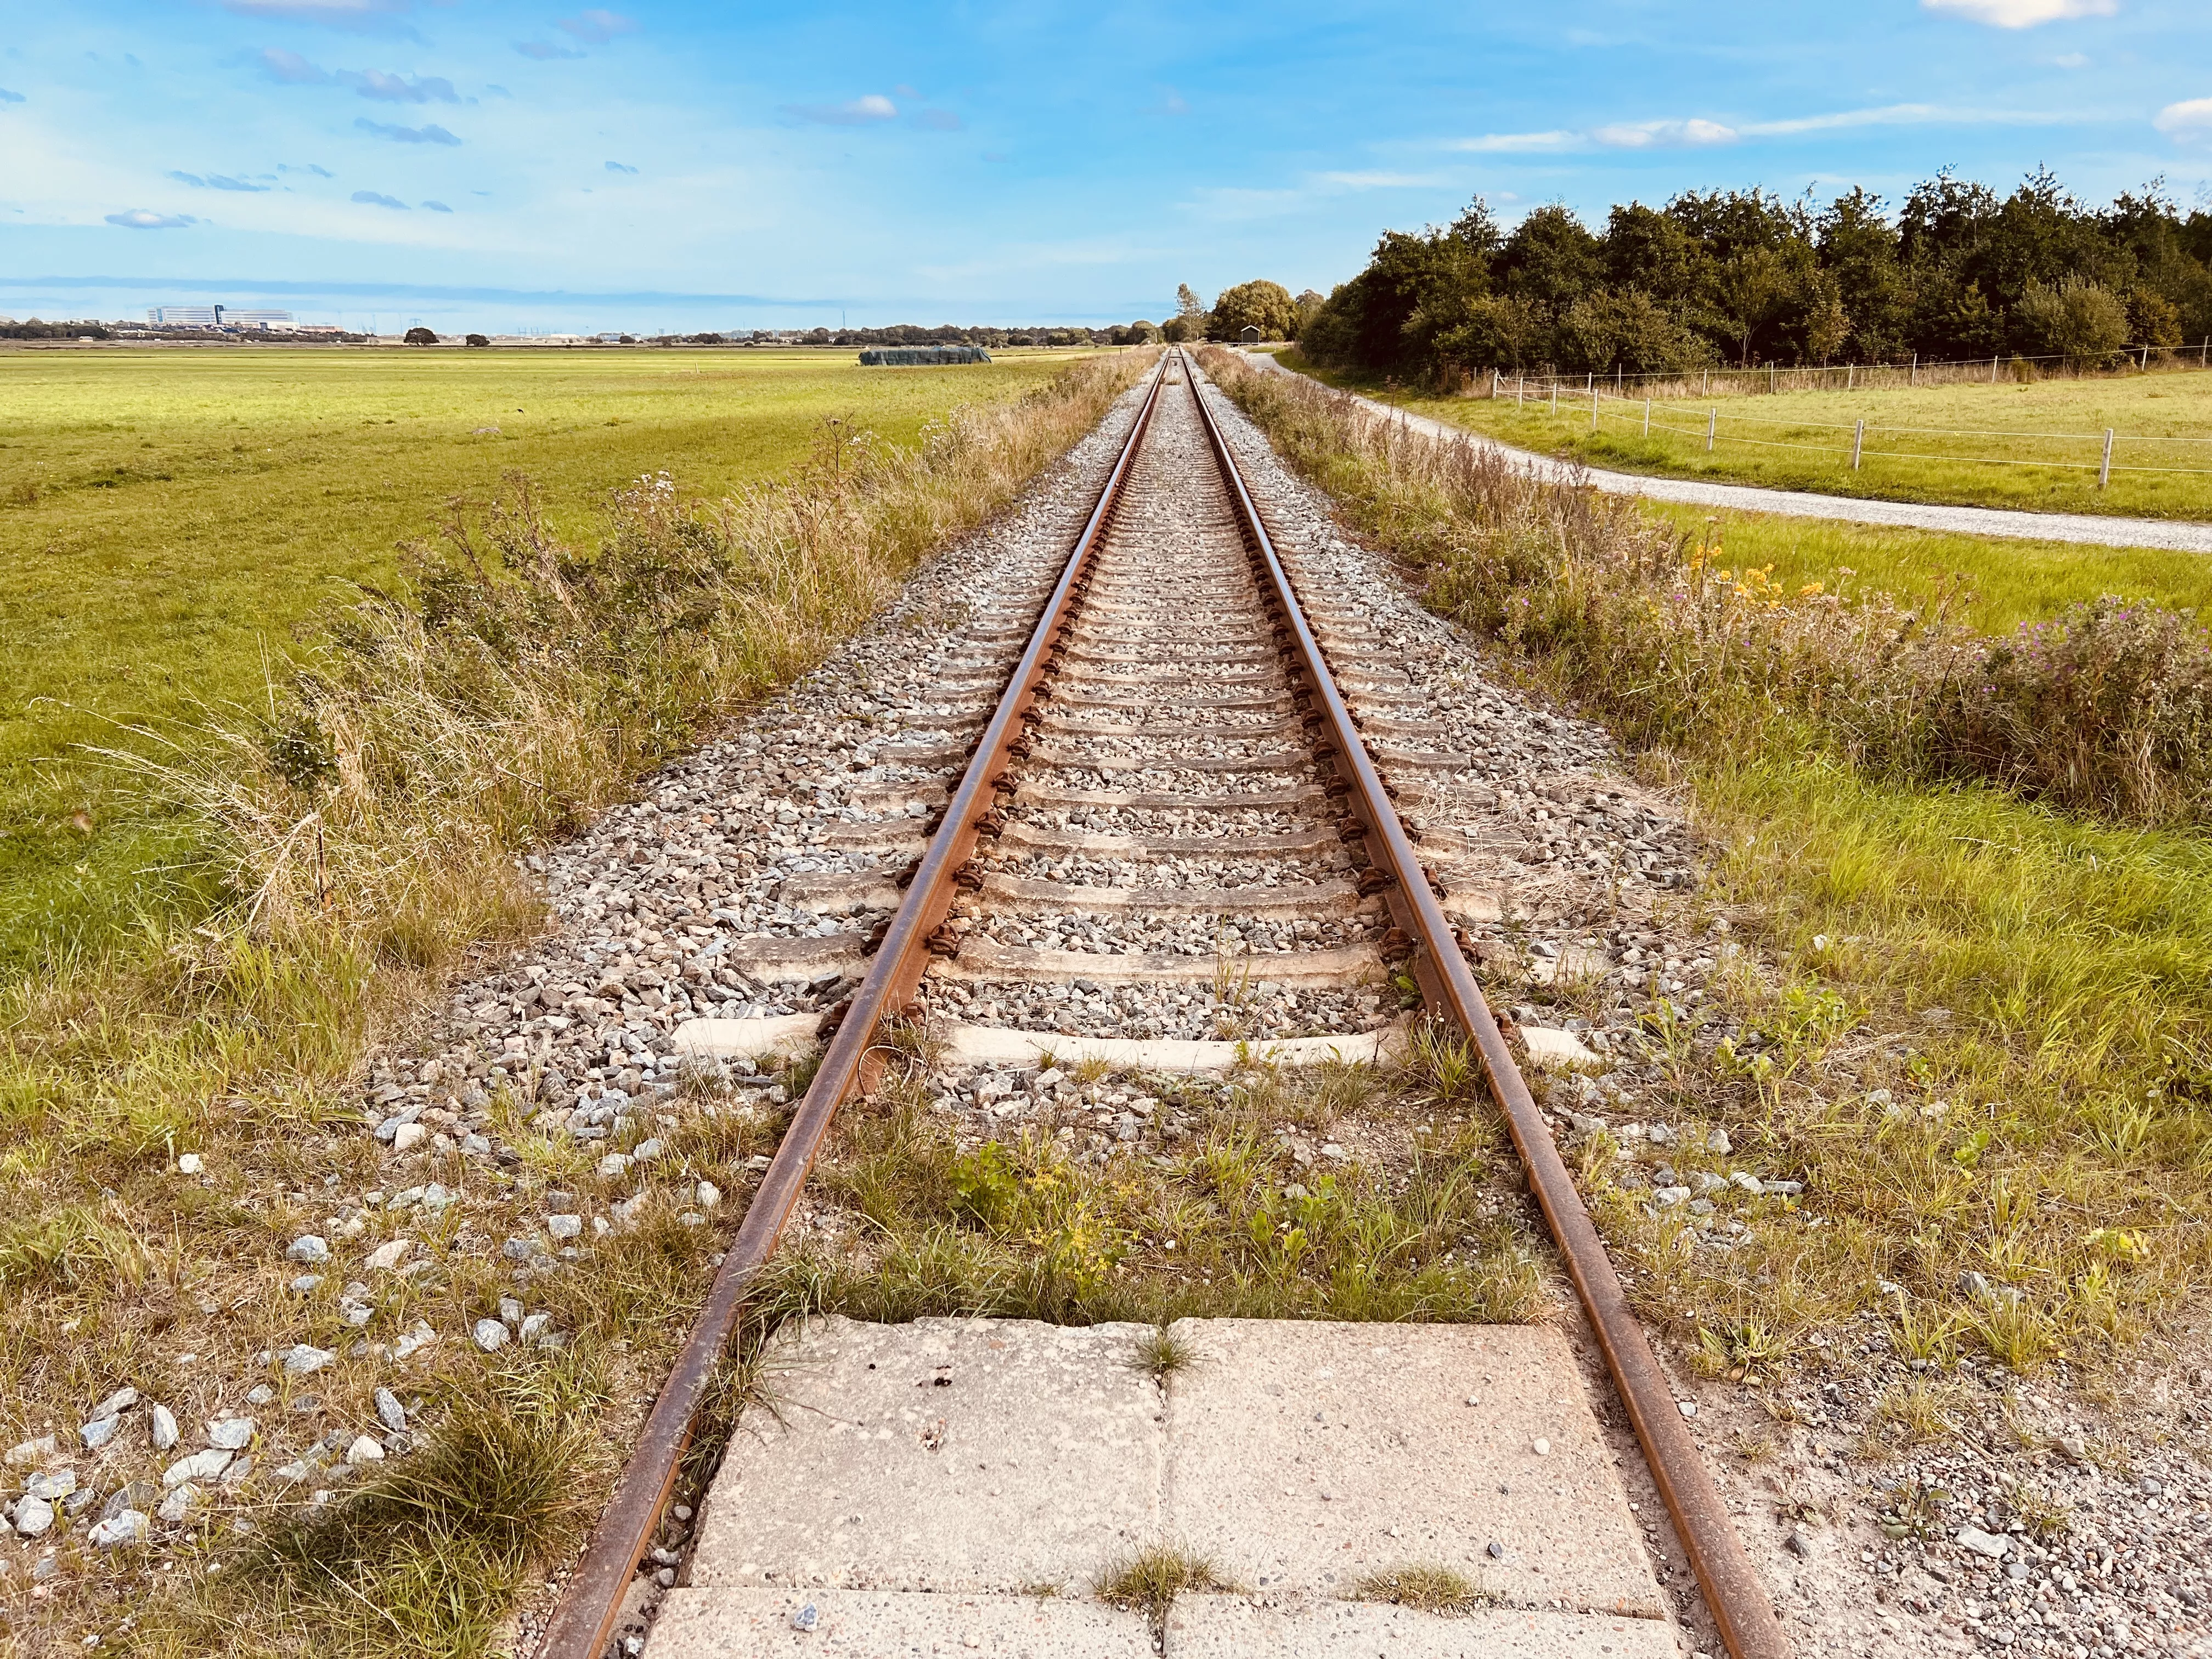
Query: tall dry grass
{"x": 2105, "y": 708}
{"x": 1975, "y": 865}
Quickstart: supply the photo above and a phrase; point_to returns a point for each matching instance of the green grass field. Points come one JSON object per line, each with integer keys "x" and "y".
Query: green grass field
{"x": 2003, "y": 580}
{"x": 2013, "y": 468}
{"x": 1995, "y": 583}
{"x": 172, "y": 522}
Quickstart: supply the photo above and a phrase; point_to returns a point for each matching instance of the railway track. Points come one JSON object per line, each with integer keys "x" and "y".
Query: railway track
{"x": 1168, "y": 838}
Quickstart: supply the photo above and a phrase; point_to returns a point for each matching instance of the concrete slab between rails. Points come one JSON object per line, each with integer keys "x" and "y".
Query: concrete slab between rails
{"x": 984, "y": 959}
{"x": 1309, "y": 1457}
{"x": 1230, "y": 1627}
{"x": 947, "y": 1455}
{"x": 999, "y": 1045}
{"x": 766, "y": 1036}
{"x": 759, "y": 1623}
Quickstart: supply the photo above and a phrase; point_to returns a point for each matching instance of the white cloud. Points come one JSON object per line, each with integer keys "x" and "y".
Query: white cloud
{"x": 8, "y": 97}
{"x": 620, "y": 166}
{"x": 146, "y": 219}
{"x": 2022, "y": 14}
{"x": 1492, "y": 144}
{"x": 859, "y": 112}
{"x": 399, "y": 89}
{"x": 2072, "y": 60}
{"x": 355, "y": 16}
{"x": 1663, "y": 135}
{"x": 598, "y": 27}
{"x": 1383, "y": 180}
{"x": 1696, "y": 132}
{"x": 2188, "y": 120}
{"x": 376, "y": 198}
{"x": 437, "y": 207}
{"x": 216, "y": 181}
{"x": 432, "y": 134}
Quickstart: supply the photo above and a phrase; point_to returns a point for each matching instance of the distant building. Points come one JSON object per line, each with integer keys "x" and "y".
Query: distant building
{"x": 215, "y": 316}
{"x": 1251, "y": 336}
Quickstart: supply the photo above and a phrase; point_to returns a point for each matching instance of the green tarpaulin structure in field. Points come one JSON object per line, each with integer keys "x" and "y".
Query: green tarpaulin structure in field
{"x": 921, "y": 356}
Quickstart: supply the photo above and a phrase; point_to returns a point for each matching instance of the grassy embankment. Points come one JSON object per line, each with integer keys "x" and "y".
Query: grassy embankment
{"x": 2141, "y": 409}
{"x": 1986, "y": 1050}
{"x": 360, "y": 830}
{"x": 171, "y": 520}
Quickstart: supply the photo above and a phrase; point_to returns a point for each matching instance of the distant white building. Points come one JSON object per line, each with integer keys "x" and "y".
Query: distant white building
{"x": 215, "y": 316}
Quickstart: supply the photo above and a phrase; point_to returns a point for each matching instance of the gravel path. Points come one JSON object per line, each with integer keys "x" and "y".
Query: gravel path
{"x": 2095, "y": 530}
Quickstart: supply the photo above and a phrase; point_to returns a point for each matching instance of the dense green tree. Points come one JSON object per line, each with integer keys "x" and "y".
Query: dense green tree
{"x": 1258, "y": 304}
{"x": 1750, "y": 277}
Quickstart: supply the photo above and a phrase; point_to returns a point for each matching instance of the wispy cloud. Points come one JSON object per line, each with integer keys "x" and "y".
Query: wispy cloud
{"x": 353, "y": 16}
{"x": 8, "y": 97}
{"x": 544, "y": 50}
{"x": 936, "y": 121}
{"x": 597, "y": 28}
{"x": 290, "y": 69}
{"x": 216, "y": 181}
{"x": 2190, "y": 119}
{"x": 1663, "y": 135}
{"x": 437, "y": 207}
{"x": 399, "y": 134}
{"x": 402, "y": 89}
{"x": 859, "y": 112}
{"x": 1381, "y": 181}
{"x": 620, "y": 166}
{"x": 1696, "y": 132}
{"x": 320, "y": 172}
{"x": 147, "y": 219}
{"x": 377, "y": 199}
{"x": 294, "y": 70}
{"x": 1513, "y": 143}
{"x": 2022, "y": 14}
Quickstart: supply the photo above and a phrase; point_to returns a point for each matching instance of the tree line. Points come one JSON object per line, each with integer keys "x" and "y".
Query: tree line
{"x": 1744, "y": 277}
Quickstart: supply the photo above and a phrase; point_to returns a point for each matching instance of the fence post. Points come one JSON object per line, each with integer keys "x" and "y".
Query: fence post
{"x": 1858, "y": 443}
{"x": 1850, "y": 376}
{"x": 1493, "y": 386}
{"x": 1647, "y": 417}
{"x": 1770, "y": 380}
{"x": 1706, "y": 385}
{"x": 1913, "y": 377}
{"x": 1555, "y": 394}
{"x": 1993, "y": 371}
{"x": 1712, "y": 430}
{"x": 1520, "y": 390}
{"x": 1594, "y": 394}
{"x": 2104, "y": 472}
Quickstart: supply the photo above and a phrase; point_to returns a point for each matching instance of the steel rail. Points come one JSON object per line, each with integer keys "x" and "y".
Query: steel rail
{"x": 1733, "y": 1593}
{"x": 591, "y": 1601}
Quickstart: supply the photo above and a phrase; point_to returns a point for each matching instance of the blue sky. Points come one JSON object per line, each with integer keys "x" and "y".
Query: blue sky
{"x": 664, "y": 164}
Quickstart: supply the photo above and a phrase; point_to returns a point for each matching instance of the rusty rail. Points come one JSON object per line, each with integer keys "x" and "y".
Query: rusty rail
{"x": 591, "y": 1601}
{"x": 1732, "y": 1592}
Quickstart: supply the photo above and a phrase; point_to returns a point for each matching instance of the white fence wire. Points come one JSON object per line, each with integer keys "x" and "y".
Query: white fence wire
{"x": 1561, "y": 397}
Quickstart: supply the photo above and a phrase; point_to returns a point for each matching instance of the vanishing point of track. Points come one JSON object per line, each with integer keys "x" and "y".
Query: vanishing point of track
{"x": 1175, "y": 694}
